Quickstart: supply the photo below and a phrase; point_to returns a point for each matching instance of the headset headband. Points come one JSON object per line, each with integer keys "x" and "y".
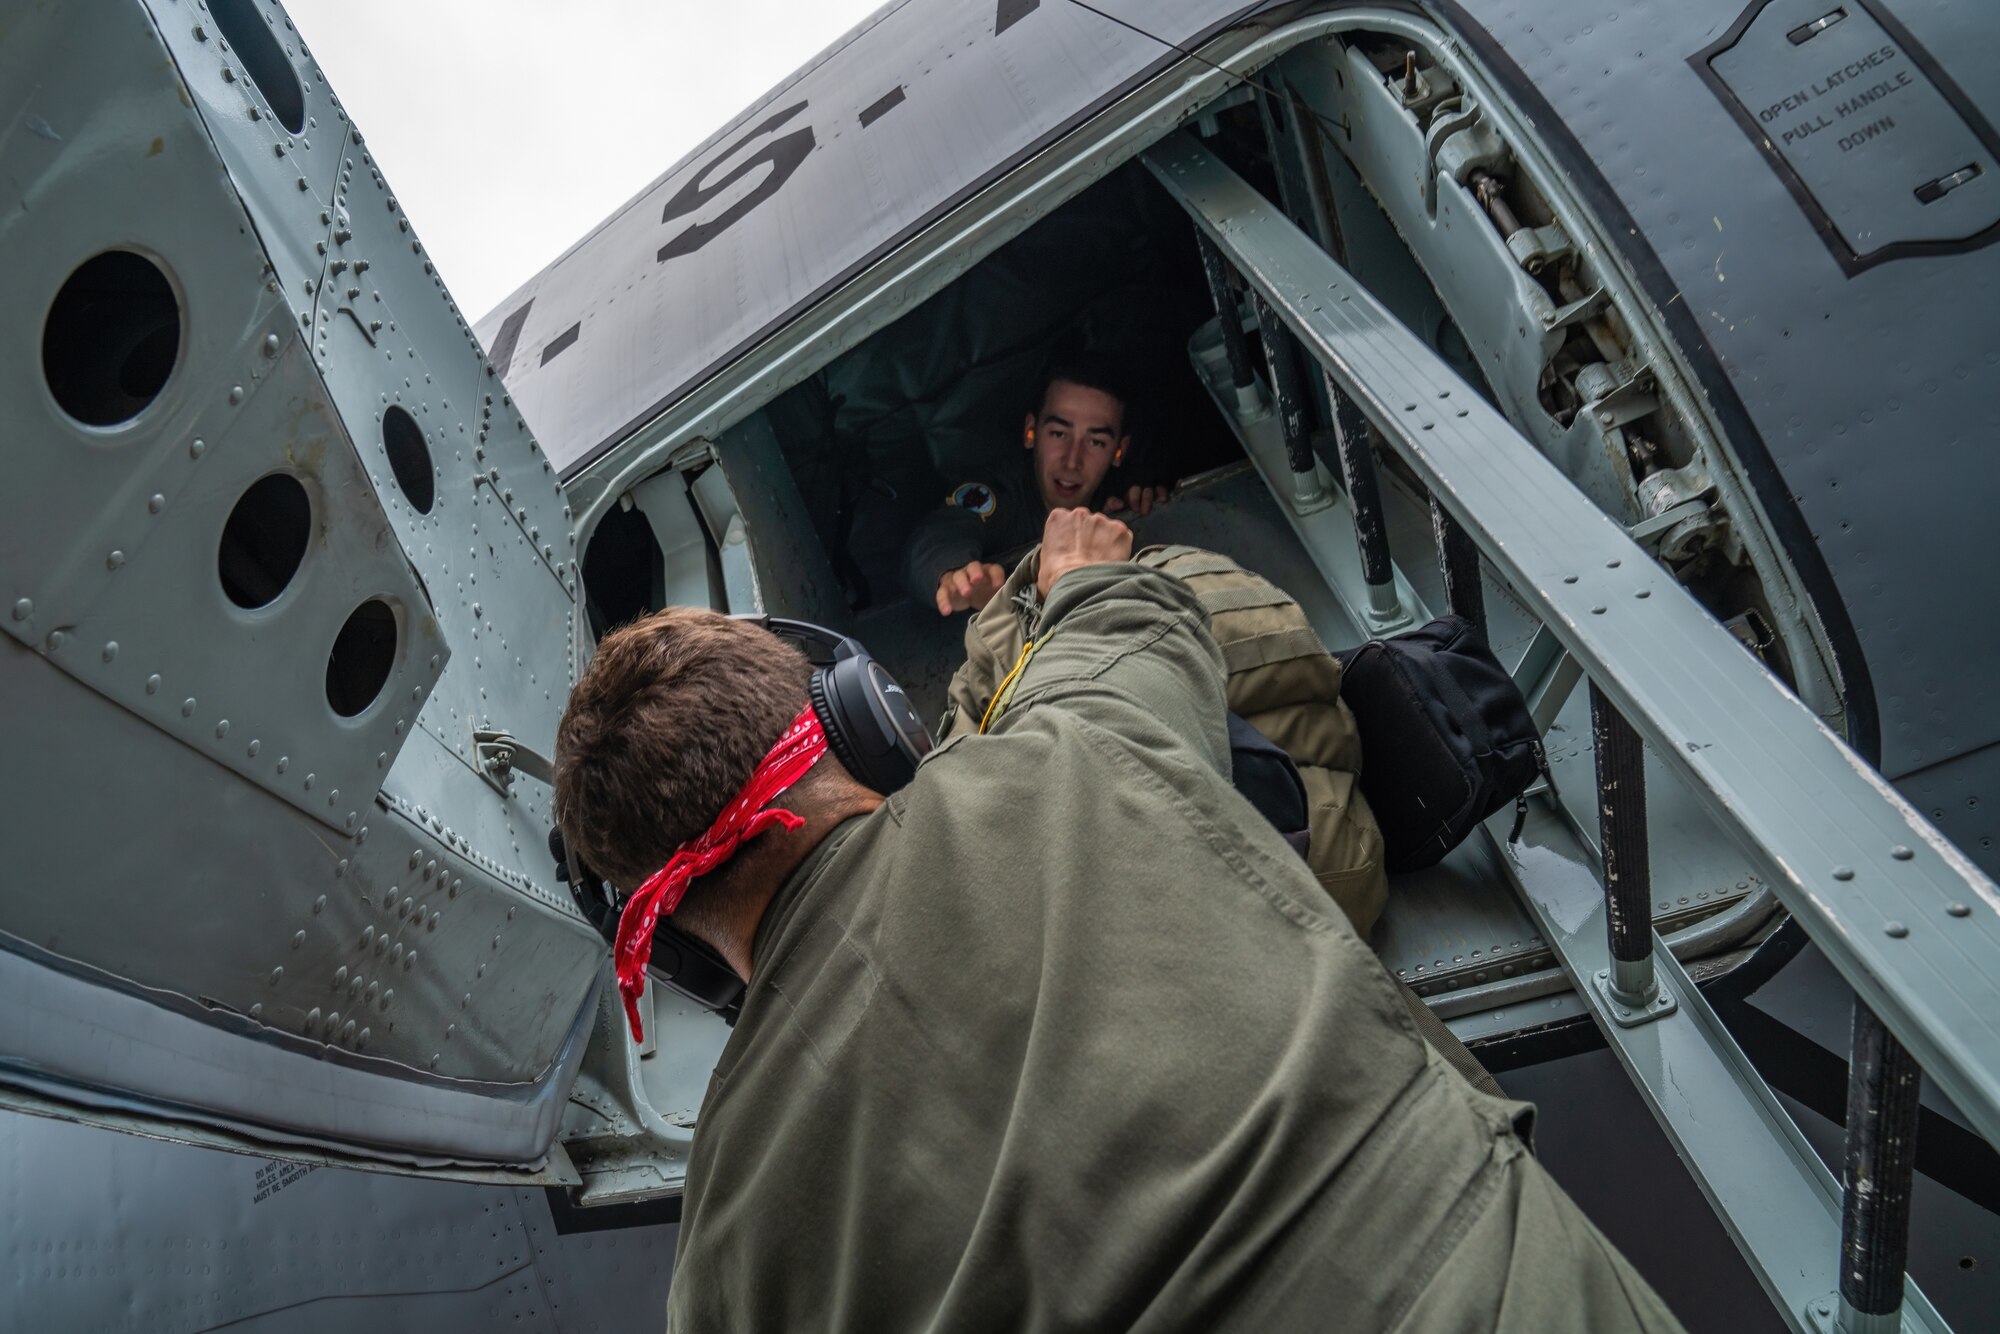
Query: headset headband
{"x": 822, "y": 647}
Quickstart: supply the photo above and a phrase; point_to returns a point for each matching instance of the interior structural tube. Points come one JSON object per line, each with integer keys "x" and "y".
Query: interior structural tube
{"x": 1882, "y": 1085}
{"x": 1281, "y": 352}
{"x": 1364, "y": 500}
{"x": 1628, "y": 874}
{"x": 1459, "y": 559}
{"x": 1230, "y": 316}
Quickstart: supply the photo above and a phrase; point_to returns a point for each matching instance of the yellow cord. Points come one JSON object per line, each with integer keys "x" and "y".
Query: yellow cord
{"x": 994, "y": 706}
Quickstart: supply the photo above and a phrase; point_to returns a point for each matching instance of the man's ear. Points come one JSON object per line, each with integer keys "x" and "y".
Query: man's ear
{"x": 1028, "y": 433}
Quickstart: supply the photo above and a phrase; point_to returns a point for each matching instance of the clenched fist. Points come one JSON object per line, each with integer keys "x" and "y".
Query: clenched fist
{"x": 1076, "y": 538}
{"x": 970, "y": 588}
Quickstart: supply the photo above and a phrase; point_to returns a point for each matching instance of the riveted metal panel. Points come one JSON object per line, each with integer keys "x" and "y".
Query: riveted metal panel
{"x": 494, "y": 548}
{"x": 600, "y": 1281}
{"x": 112, "y": 533}
{"x": 242, "y": 908}
{"x": 290, "y": 934}
{"x": 290, "y": 190}
{"x": 117, "y": 1233}
{"x": 1962, "y": 797}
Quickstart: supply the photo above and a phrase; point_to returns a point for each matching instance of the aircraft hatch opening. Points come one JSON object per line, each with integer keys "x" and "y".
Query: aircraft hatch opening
{"x": 847, "y": 463}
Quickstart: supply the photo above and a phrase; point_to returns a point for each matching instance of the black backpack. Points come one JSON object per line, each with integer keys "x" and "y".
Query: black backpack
{"x": 1446, "y": 738}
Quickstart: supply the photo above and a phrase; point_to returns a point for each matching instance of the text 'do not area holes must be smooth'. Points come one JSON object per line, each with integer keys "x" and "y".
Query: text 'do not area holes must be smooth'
{"x": 363, "y": 654}
{"x": 263, "y": 58}
{"x": 264, "y": 540}
{"x": 111, "y": 338}
{"x": 409, "y": 458}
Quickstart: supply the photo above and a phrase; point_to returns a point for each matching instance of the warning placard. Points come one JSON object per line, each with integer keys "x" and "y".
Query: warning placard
{"x": 1858, "y": 119}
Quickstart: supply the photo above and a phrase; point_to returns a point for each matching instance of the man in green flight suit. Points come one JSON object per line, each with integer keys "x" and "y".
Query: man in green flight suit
{"x": 1062, "y": 1035}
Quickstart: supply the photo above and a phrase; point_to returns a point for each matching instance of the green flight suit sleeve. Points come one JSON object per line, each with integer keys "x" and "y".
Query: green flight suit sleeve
{"x": 1127, "y": 649}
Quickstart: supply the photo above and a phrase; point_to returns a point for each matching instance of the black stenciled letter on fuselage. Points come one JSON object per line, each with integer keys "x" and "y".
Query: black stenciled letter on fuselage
{"x": 783, "y": 154}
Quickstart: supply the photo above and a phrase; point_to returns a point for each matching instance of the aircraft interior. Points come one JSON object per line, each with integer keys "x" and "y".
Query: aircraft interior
{"x": 877, "y": 439}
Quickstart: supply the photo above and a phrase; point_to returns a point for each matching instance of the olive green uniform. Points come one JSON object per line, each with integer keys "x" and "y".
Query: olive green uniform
{"x": 1281, "y": 680}
{"x": 1065, "y": 1036}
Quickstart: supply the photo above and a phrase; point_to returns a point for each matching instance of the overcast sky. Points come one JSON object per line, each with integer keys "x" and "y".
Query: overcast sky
{"x": 509, "y": 128}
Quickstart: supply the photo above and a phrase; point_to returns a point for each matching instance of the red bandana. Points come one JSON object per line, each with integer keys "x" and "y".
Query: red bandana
{"x": 741, "y": 820}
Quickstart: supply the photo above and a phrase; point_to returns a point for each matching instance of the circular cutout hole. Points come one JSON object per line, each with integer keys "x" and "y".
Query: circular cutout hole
{"x": 264, "y": 540}
{"x": 111, "y": 338}
{"x": 363, "y": 653}
{"x": 409, "y": 458}
{"x": 263, "y": 59}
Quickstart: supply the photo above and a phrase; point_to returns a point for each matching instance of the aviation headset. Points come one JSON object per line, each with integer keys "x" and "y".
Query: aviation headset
{"x": 871, "y": 728}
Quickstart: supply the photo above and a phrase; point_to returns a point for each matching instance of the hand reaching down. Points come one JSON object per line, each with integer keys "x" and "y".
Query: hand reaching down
{"x": 970, "y": 588}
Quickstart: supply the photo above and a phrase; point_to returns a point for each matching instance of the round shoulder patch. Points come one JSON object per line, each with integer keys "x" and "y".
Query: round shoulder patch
{"x": 976, "y": 497}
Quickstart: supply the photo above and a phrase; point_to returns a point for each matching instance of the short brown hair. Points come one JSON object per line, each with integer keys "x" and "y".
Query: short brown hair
{"x": 667, "y": 724}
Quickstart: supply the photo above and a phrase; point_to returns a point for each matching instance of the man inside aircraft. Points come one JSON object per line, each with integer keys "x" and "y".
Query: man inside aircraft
{"x": 1128, "y": 1072}
{"x": 1076, "y": 433}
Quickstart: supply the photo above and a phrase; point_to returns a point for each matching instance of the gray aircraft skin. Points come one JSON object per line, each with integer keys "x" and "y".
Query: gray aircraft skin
{"x": 301, "y": 563}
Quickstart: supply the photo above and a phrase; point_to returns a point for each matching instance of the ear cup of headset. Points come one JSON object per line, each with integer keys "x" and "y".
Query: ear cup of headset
{"x": 871, "y": 726}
